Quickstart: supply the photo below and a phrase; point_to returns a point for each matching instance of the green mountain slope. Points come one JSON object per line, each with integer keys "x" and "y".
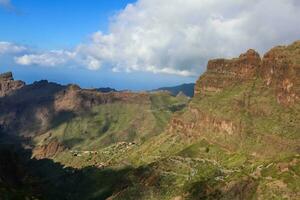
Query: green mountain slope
{"x": 112, "y": 123}
{"x": 237, "y": 138}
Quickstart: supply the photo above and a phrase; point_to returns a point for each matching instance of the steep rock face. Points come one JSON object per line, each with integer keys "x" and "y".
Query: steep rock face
{"x": 8, "y": 84}
{"x": 247, "y": 97}
{"x": 281, "y": 70}
{"x": 208, "y": 122}
{"x": 222, "y": 73}
{"x": 196, "y": 124}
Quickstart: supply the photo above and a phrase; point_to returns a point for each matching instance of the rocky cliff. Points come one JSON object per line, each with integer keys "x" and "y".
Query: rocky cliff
{"x": 242, "y": 121}
{"x": 222, "y": 73}
{"x": 248, "y": 96}
{"x": 8, "y": 84}
{"x": 279, "y": 69}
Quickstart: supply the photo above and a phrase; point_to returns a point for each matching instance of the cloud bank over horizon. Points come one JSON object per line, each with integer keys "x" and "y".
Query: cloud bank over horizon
{"x": 174, "y": 36}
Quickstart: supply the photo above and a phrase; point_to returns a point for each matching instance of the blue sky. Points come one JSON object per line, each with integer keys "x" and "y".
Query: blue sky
{"x": 57, "y": 24}
{"x": 52, "y": 24}
{"x": 138, "y": 45}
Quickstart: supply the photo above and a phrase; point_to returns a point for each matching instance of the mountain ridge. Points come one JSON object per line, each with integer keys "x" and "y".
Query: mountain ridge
{"x": 186, "y": 88}
{"x": 237, "y": 138}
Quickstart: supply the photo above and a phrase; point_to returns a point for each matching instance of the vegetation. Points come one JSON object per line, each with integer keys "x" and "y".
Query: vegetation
{"x": 237, "y": 142}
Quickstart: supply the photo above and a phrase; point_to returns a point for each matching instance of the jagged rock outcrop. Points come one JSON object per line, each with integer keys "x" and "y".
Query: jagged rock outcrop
{"x": 222, "y": 73}
{"x": 247, "y": 97}
{"x": 8, "y": 84}
{"x": 281, "y": 70}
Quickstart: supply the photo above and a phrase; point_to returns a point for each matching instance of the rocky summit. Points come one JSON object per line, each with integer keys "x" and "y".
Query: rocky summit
{"x": 279, "y": 68}
{"x": 8, "y": 84}
{"x": 223, "y": 73}
{"x": 238, "y": 137}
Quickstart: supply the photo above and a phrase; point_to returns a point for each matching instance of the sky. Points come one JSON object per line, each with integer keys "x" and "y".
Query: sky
{"x": 136, "y": 44}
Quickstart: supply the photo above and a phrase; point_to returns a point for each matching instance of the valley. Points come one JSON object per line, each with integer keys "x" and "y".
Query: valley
{"x": 238, "y": 137}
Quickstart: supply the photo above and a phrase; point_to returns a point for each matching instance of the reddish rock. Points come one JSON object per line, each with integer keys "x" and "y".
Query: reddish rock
{"x": 281, "y": 70}
{"x": 49, "y": 150}
{"x": 8, "y": 84}
{"x": 222, "y": 73}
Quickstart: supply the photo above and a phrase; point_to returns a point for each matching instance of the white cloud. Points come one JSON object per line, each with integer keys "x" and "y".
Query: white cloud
{"x": 179, "y": 36}
{"x": 91, "y": 63}
{"x": 52, "y": 58}
{"x": 10, "y": 48}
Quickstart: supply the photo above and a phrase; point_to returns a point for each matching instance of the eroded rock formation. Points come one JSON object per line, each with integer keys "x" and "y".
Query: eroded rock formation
{"x": 246, "y": 97}
{"x": 279, "y": 68}
{"x": 222, "y": 73}
{"x": 8, "y": 84}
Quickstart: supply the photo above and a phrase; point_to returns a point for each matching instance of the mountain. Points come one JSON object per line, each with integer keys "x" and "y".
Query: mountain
{"x": 187, "y": 89}
{"x": 106, "y": 89}
{"x": 8, "y": 84}
{"x": 237, "y": 138}
{"x": 57, "y": 117}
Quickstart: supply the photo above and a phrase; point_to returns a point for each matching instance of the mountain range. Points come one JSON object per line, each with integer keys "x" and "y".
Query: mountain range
{"x": 238, "y": 137}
